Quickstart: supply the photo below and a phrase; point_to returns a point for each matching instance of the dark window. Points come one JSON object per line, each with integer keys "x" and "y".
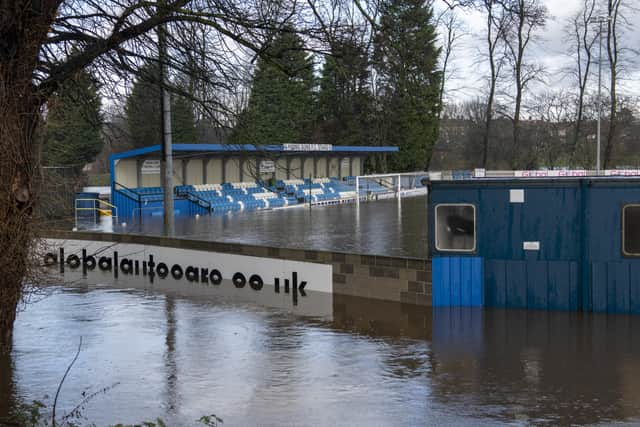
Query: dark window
{"x": 455, "y": 227}
{"x": 631, "y": 230}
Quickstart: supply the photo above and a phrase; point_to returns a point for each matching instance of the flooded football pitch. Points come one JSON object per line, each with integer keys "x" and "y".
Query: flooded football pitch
{"x": 354, "y": 362}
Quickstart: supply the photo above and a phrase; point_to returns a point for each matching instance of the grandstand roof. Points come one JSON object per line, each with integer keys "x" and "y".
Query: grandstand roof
{"x": 244, "y": 148}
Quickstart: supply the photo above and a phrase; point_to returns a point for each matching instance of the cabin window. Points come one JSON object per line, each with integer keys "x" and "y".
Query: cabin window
{"x": 631, "y": 230}
{"x": 455, "y": 227}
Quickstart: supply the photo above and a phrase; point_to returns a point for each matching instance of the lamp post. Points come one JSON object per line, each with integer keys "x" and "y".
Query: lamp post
{"x": 599, "y": 20}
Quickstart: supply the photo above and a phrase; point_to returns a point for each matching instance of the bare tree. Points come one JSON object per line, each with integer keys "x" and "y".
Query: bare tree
{"x": 43, "y": 43}
{"x": 552, "y": 114}
{"x": 582, "y": 40}
{"x": 614, "y": 24}
{"x": 452, "y": 31}
{"x": 496, "y": 25}
{"x": 525, "y": 17}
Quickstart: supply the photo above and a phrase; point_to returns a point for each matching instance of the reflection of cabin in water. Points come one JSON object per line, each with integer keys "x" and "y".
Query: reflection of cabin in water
{"x": 537, "y": 243}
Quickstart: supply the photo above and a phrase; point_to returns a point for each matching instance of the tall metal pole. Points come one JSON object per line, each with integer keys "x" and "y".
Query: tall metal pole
{"x": 599, "y": 100}
{"x": 167, "y": 152}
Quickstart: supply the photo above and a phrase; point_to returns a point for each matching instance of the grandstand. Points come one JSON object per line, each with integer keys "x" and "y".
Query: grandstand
{"x": 213, "y": 178}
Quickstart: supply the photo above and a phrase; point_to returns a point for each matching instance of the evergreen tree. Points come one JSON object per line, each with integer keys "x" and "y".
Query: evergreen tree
{"x": 406, "y": 60}
{"x": 72, "y": 131}
{"x": 280, "y": 108}
{"x": 183, "y": 124}
{"x": 345, "y": 102}
{"x": 144, "y": 115}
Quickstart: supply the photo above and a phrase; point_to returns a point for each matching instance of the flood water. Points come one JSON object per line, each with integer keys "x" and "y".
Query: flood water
{"x": 360, "y": 363}
{"x": 384, "y": 227}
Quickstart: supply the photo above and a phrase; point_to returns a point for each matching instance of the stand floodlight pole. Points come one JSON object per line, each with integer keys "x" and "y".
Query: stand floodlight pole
{"x": 167, "y": 152}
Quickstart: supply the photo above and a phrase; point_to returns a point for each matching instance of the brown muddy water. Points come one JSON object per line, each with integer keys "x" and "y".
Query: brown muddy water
{"x": 384, "y": 227}
{"x": 352, "y": 362}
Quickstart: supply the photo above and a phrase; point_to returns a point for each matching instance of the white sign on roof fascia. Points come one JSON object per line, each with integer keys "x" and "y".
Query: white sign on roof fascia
{"x": 307, "y": 147}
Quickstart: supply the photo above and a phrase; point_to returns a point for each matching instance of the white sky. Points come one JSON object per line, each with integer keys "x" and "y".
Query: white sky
{"x": 469, "y": 76}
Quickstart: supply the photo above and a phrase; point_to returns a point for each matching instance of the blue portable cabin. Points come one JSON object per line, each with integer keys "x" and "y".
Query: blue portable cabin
{"x": 537, "y": 243}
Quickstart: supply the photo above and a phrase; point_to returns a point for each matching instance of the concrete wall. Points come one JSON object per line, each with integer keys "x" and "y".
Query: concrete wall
{"x": 334, "y": 166}
{"x": 233, "y": 170}
{"x": 126, "y": 172}
{"x": 194, "y": 171}
{"x": 214, "y": 171}
{"x": 356, "y": 166}
{"x": 295, "y": 168}
{"x": 406, "y": 280}
{"x": 281, "y": 168}
{"x": 321, "y": 167}
{"x": 344, "y": 166}
{"x": 308, "y": 167}
{"x": 150, "y": 180}
{"x": 249, "y": 170}
{"x": 178, "y": 179}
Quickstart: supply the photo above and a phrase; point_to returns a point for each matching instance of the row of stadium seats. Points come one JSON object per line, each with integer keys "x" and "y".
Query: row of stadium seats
{"x": 237, "y": 196}
{"x": 318, "y": 190}
{"x": 228, "y": 197}
{"x": 367, "y": 185}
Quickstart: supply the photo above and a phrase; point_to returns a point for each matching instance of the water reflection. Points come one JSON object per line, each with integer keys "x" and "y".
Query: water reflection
{"x": 384, "y": 227}
{"x": 170, "y": 354}
{"x": 371, "y": 363}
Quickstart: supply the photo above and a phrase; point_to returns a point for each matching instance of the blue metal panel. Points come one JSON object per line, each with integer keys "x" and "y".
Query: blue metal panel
{"x": 611, "y": 288}
{"x": 445, "y": 285}
{"x": 634, "y": 288}
{"x": 126, "y": 206}
{"x": 457, "y": 281}
{"x": 516, "y": 285}
{"x": 574, "y": 287}
{"x": 537, "y": 285}
{"x": 495, "y": 283}
{"x": 466, "y": 283}
{"x": 599, "y": 286}
{"x": 364, "y": 149}
{"x": 477, "y": 288}
{"x": 558, "y": 278}
{"x": 621, "y": 284}
{"x": 436, "y": 281}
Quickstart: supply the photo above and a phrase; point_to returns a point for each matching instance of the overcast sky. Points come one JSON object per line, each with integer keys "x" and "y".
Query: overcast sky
{"x": 550, "y": 51}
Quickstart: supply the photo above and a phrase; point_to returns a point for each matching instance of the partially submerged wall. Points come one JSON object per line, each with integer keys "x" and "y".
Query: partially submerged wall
{"x": 406, "y": 280}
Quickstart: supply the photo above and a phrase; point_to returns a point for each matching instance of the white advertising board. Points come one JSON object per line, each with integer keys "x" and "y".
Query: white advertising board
{"x": 267, "y": 166}
{"x": 150, "y": 167}
{"x": 550, "y": 173}
{"x": 273, "y": 282}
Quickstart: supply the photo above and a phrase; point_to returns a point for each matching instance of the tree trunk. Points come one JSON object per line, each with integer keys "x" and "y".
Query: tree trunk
{"x": 22, "y": 30}
{"x": 17, "y": 125}
{"x": 7, "y": 387}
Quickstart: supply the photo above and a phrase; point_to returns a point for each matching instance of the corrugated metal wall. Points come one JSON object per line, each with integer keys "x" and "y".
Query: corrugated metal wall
{"x": 576, "y": 223}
